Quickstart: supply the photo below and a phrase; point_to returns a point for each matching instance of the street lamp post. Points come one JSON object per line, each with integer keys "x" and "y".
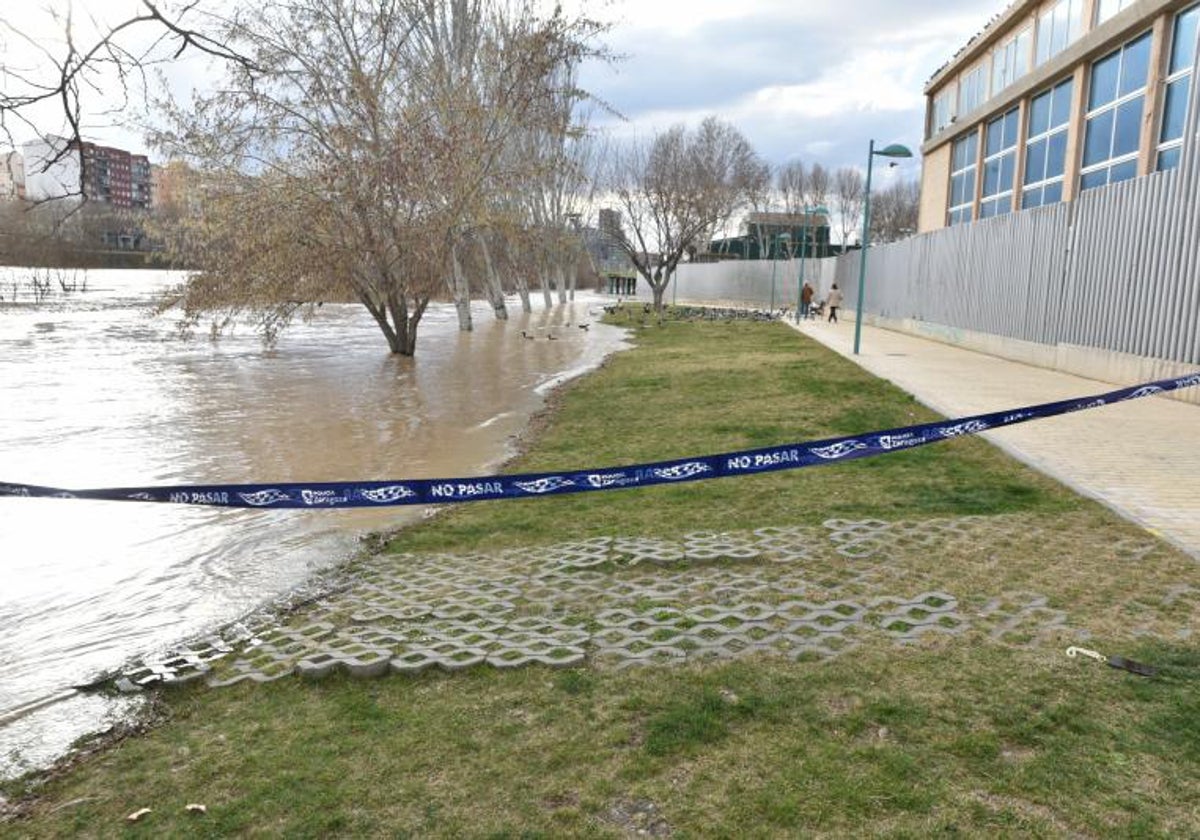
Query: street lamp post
{"x": 893, "y": 151}
{"x": 822, "y": 209}
{"x": 775, "y": 261}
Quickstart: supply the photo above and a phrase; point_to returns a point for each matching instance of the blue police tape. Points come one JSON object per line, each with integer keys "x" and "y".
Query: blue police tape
{"x": 449, "y": 490}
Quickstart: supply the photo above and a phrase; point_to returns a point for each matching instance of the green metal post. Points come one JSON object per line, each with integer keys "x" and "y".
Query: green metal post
{"x": 800, "y": 279}
{"x": 862, "y": 264}
{"x": 774, "y": 262}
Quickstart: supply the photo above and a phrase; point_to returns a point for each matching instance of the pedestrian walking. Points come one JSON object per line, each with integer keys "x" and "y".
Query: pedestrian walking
{"x": 806, "y": 296}
{"x": 833, "y": 302}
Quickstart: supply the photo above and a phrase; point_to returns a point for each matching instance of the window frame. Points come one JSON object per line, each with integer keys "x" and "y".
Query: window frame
{"x": 1047, "y": 136}
{"x": 1007, "y": 66}
{"x": 1047, "y": 28}
{"x": 1005, "y": 154}
{"x": 970, "y": 171}
{"x": 1100, "y": 17}
{"x": 965, "y": 86}
{"x": 1108, "y": 165}
{"x": 1171, "y": 149}
{"x": 949, "y": 96}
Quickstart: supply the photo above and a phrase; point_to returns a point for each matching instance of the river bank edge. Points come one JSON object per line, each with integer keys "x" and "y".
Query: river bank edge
{"x": 879, "y": 727}
{"x": 153, "y": 706}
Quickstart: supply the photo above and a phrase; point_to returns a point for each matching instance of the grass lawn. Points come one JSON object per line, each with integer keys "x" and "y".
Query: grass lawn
{"x": 989, "y": 730}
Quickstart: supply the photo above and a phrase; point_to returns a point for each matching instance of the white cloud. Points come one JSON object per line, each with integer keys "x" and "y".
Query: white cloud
{"x": 815, "y": 78}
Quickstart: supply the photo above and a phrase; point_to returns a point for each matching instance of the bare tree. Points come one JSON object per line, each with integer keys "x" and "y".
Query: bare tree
{"x": 76, "y": 72}
{"x": 817, "y": 186}
{"x": 848, "y": 197}
{"x": 674, "y": 190}
{"x": 894, "y": 211}
{"x": 791, "y": 182}
{"x": 359, "y": 156}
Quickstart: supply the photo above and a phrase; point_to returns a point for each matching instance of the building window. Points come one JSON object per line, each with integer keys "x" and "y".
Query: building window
{"x": 999, "y": 165}
{"x": 1011, "y": 60}
{"x": 1107, "y": 8}
{"x": 972, "y": 90}
{"x": 1058, "y": 27}
{"x": 962, "y": 179}
{"x": 943, "y": 110}
{"x": 1178, "y": 92}
{"x": 1046, "y": 146}
{"x": 1116, "y": 102}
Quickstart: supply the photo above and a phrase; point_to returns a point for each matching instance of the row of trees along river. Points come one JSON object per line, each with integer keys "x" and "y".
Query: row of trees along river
{"x": 395, "y": 152}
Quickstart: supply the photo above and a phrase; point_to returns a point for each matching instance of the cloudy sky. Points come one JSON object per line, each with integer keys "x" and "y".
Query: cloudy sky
{"x": 807, "y": 79}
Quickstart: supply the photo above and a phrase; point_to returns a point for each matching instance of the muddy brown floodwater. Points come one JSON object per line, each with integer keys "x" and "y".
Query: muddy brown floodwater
{"x": 94, "y": 392}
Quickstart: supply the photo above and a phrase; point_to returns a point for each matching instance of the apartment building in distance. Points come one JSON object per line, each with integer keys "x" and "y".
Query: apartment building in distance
{"x": 1055, "y": 97}
{"x": 57, "y": 168}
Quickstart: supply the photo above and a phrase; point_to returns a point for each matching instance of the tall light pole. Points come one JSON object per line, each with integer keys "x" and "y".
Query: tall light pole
{"x": 775, "y": 260}
{"x": 823, "y": 210}
{"x": 893, "y": 151}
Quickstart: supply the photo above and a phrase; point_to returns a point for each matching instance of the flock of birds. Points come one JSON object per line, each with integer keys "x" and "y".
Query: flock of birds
{"x": 550, "y": 336}
{"x": 682, "y": 313}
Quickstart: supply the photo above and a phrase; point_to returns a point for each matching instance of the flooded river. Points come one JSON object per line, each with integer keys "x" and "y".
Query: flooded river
{"x": 94, "y": 392}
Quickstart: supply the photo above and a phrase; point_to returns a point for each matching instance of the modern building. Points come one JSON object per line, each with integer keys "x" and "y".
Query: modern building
{"x": 58, "y": 168}
{"x": 169, "y": 186}
{"x": 766, "y": 236}
{"x": 1055, "y": 97}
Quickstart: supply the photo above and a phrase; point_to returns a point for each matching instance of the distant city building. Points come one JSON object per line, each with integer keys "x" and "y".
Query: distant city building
{"x": 1055, "y": 97}
{"x": 57, "y": 168}
{"x": 169, "y": 186}
{"x": 603, "y": 243}
{"x": 12, "y": 176}
{"x": 766, "y": 236}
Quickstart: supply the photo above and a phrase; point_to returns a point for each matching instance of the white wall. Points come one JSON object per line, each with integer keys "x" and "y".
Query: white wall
{"x": 45, "y": 179}
{"x": 755, "y": 283}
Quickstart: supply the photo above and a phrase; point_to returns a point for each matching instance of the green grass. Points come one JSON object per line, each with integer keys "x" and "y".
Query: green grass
{"x": 701, "y": 389}
{"x": 976, "y": 735}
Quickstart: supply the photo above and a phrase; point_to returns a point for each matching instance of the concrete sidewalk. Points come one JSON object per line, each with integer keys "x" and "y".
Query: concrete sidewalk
{"x": 1141, "y": 458}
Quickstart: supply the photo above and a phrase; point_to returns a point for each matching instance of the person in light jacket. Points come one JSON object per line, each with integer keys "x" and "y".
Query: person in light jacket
{"x": 833, "y": 302}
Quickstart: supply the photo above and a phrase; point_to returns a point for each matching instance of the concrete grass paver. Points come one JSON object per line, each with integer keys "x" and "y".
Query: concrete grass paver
{"x": 1140, "y": 458}
{"x": 795, "y": 591}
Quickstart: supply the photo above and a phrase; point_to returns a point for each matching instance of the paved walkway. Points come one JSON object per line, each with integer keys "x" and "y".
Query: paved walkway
{"x": 1141, "y": 458}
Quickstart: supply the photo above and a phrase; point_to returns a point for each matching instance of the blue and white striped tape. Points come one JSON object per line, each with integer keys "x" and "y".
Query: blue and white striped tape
{"x": 451, "y": 490}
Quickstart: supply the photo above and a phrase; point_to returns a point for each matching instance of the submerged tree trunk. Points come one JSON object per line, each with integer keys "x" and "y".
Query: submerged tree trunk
{"x": 494, "y": 289}
{"x": 396, "y": 322}
{"x": 573, "y": 278}
{"x": 560, "y": 278}
{"x": 461, "y": 292}
{"x": 544, "y": 275}
{"x": 523, "y": 293}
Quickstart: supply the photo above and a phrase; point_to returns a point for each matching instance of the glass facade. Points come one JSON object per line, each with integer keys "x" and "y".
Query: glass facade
{"x": 1046, "y": 145}
{"x": 1116, "y": 103}
{"x": 1011, "y": 60}
{"x": 1178, "y": 88}
{"x": 1058, "y": 27}
{"x": 962, "y": 179}
{"x": 1105, "y": 120}
{"x": 999, "y": 165}
{"x": 972, "y": 90}
{"x": 942, "y": 113}
{"x": 1107, "y": 8}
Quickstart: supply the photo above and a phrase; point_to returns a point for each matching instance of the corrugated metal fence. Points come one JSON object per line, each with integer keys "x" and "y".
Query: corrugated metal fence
{"x": 1118, "y": 269}
{"x": 759, "y": 283}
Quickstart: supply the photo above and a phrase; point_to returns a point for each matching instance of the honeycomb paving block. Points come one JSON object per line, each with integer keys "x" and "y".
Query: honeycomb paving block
{"x": 804, "y": 591}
